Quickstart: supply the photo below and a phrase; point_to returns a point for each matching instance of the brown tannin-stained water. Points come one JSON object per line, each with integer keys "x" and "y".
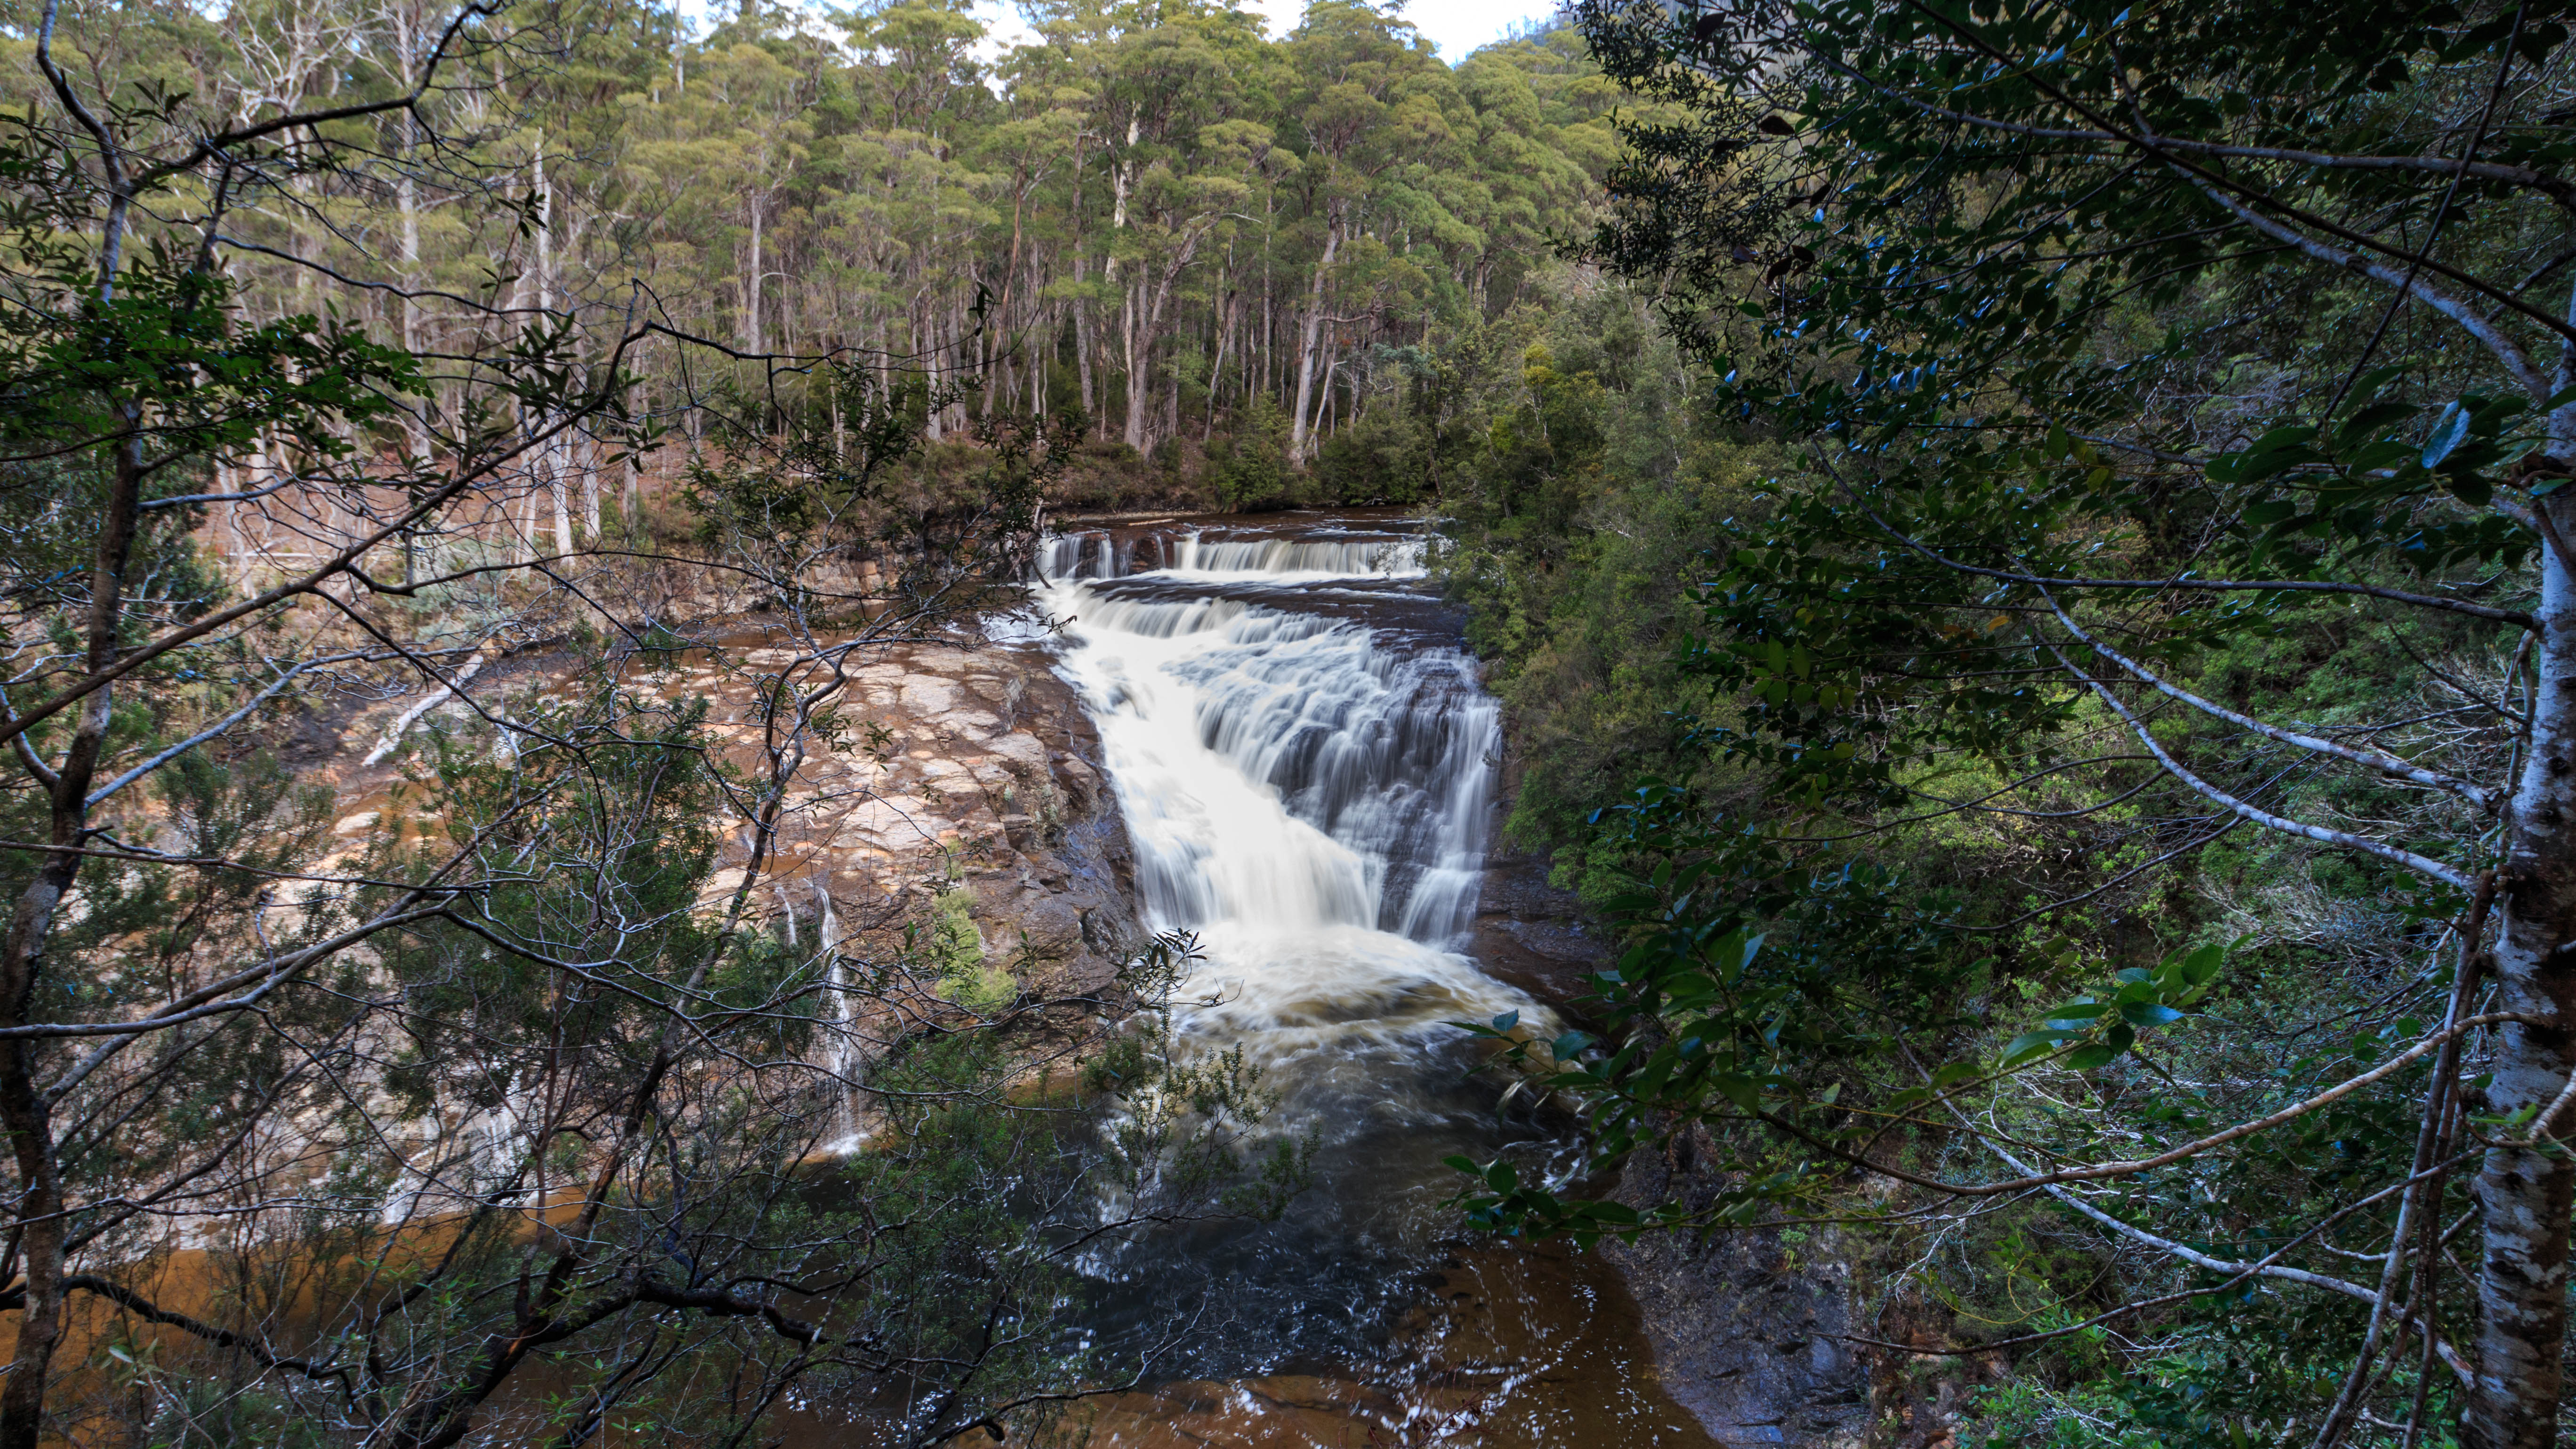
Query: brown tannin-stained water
{"x": 1306, "y": 765}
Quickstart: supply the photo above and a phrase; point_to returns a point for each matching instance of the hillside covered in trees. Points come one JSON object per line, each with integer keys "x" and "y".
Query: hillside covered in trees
{"x": 1210, "y": 251}
{"x": 2068, "y": 701}
{"x": 2023, "y": 549}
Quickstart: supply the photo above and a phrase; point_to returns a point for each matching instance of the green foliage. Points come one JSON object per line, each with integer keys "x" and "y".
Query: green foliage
{"x": 1187, "y": 1126}
{"x": 616, "y": 819}
{"x": 1731, "y": 1003}
{"x": 1248, "y": 468}
{"x": 164, "y": 340}
{"x": 2157, "y": 439}
{"x": 1580, "y": 521}
{"x": 956, "y": 953}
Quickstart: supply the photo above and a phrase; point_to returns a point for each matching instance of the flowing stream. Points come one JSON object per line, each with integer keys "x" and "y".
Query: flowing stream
{"x": 1306, "y": 763}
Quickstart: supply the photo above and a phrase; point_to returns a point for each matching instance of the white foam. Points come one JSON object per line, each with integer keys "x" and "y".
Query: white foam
{"x": 1313, "y": 804}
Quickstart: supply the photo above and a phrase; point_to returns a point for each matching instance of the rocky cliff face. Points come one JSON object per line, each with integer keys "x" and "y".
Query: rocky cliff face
{"x": 987, "y": 780}
{"x": 1748, "y": 1326}
{"x": 965, "y": 770}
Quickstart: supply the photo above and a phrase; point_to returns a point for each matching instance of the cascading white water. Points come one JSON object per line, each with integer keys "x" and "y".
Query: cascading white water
{"x": 1308, "y": 798}
{"x": 1298, "y": 560}
{"x": 844, "y": 1040}
{"x": 1192, "y": 553}
{"x": 1305, "y": 764}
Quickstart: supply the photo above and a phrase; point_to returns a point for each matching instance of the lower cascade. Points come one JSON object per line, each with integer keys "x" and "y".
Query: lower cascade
{"x": 1306, "y": 767}
{"x": 1309, "y": 795}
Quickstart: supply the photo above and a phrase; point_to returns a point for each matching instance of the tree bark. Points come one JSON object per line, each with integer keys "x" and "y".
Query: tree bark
{"x": 2525, "y": 1193}
{"x": 1299, "y": 439}
{"x": 1082, "y": 344}
{"x": 24, "y": 1111}
{"x": 751, "y": 288}
{"x": 586, "y": 463}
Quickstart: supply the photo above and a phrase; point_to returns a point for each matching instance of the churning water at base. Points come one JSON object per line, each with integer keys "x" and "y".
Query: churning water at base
{"x": 1306, "y": 768}
{"x": 1306, "y": 772}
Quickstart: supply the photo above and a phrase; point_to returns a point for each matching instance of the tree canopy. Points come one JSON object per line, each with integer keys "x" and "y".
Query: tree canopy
{"x": 2174, "y": 407}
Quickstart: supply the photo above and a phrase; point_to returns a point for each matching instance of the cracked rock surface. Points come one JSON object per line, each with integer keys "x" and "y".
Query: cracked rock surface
{"x": 956, "y": 768}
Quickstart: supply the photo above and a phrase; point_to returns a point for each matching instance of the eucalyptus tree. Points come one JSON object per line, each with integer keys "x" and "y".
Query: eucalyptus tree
{"x": 2122, "y": 342}
{"x": 1359, "y": 78}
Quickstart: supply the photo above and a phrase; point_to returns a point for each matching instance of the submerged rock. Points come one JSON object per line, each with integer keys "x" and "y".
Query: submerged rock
{"x": 1748, "y": 1325}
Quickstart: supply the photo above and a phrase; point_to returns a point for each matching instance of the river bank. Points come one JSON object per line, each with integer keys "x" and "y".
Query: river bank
{"x": 1663, "y": 1342}
{"x": 1262, "y": 731}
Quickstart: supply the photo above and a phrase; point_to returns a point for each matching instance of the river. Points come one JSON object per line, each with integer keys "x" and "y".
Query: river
{"x": 1307, "y": 766}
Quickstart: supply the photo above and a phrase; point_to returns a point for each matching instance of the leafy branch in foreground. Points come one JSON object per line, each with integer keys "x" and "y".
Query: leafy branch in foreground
{"x": 2178, "y": 551}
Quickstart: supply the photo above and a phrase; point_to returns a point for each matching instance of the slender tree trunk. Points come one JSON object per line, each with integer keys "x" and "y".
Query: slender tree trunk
{"x": 236, "y": 561}
{"x": 751, "y": 289}
{"x": 559, "y": 454}
{"x": 927, "y": 334}
{"x": 41, "y": 1207}
{"x": 1216, "y": 368}
{"x": 1298, "y": 437}
{"x": 1082, "y": 344}
{"x": 407, "y": 201}
{"x": 258, "y": 470}
{"x": 961, "y": 327}
{"x": 1044, "y": 334}
{"x": 585, "y": 460}
{"x": 1269, "y": 291}
{"x": 1039, "y": 357}
{"x": 1082, "y": 304}
{"x": 2525, "y": 1193}
{"x": 545, "y": 198}
{"x": 526, "y": 550}
{"x": 996, "y": 393}
{"x": 1138, "y": 347}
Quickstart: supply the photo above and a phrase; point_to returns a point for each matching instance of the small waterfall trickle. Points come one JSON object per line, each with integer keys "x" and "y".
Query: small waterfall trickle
{"x": 842, "y": 1047}
{"x": 1059, "y": 555}
{"x": 500, "y": 1138}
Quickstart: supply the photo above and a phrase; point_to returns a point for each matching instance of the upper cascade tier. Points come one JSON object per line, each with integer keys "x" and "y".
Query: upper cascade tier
{"x": 1368, "y": 766}
{"x": 1102, "y": 554}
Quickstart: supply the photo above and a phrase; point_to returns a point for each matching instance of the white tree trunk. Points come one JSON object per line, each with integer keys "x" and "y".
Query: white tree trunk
{"x": 1300, "y": 440}
{"x": 2525, "y": 1193}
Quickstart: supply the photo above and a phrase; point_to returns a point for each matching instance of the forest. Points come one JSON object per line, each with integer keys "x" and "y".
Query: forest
{"x": 1182, "y": 235}
{"x": 2022, "y": 549}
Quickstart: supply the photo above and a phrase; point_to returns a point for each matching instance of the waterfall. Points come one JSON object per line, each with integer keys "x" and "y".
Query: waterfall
{"x": 843, "y": 1045}
{"x": 1305, "y": 764}
{"x": 1299, "y": 559}
{"x": 1204, "y": 554}
{"x": 1059, "y": 555}
{"x": 1309, "y": 795}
